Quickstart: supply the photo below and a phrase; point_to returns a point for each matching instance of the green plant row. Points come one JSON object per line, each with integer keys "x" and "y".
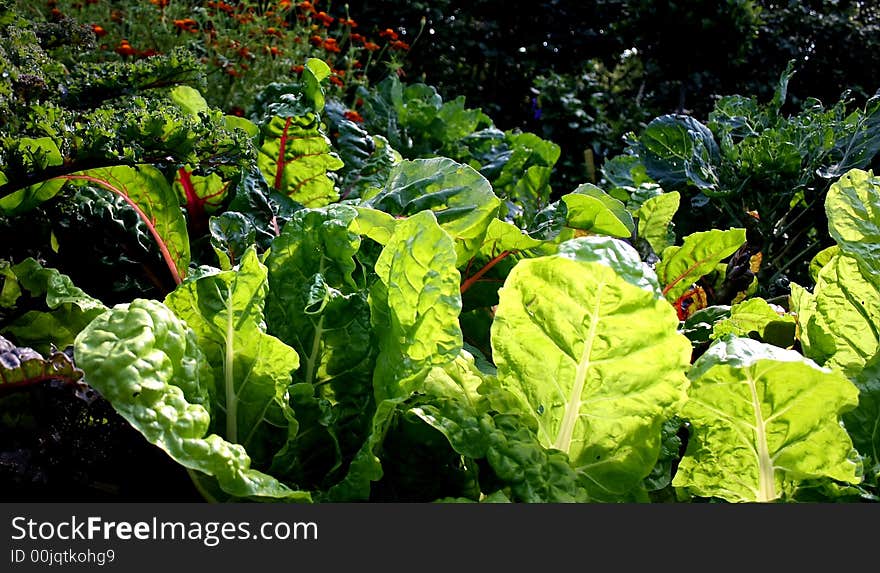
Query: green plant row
{"x": 306, "y": 315}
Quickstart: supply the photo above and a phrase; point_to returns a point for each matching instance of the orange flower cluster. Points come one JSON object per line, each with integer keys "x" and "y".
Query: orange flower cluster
{"x": 159, "y": 3}
{"x": 99, "y": 31}
{"x": 187, "y": 25}
{"x": 354, "y": 116}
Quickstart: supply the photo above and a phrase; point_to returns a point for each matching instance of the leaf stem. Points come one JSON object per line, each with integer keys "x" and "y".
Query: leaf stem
{"x": 469, "y": 282}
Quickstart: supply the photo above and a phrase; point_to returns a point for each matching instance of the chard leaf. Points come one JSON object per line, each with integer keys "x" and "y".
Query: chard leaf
{"x": 315, "y": 306}
{"x": 22, "y": 365}
{"x": 461, "y": 199}
{"x": 231, "y": 235}
{"x": 374, "y": 224}
{"x": 763, "y": 418}
{"x": 839, "y": 321}
{"x": 757, "y": 315}
{"x": 295, "y": 157}
{"x": 863, "y": 423}
{"x": 202, "y": 195}
{"x": 853, "y": 209}
{"x": 415, "y": 306}
{"x": 680, "y": 267}
{"x": 147, "y": 363}
{"x": 599, "y": 389}
{"x": 69, "y": 309}
{"x": 654, "y": 216}
{"x": 252, "y": 369}
{"x": 821, "y": 259}
{"x": 591, "y": 209}
{"x": 148, "y": 192}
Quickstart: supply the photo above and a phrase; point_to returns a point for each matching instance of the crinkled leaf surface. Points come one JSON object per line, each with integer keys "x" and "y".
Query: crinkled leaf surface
{"x": 762, "y": 418}
{"x": 317, "y": 307}
{"x": 461, "y": 199}
{"x": 755, "y": 314}
{"x": 863, "y": 423}
{"x": 147, "y": 363}
{"x": 69, "y": 309}
{"x": 840, "y": 322}
{"x": 22, "y": 365}
{"x": 595, "y": 358}
{"x": 700, "y": 253}
{"x": 853, "y": 209}
{"x": 416, "y": 305}
{"x": 252, "y": 369}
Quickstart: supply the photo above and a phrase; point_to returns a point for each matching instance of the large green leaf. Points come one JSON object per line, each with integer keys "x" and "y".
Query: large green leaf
{"x": 591, "y": 349}
{"x": 863, "y": 423}
{"x": 295, "y": 157}
{"x": 316, "y": 306}
{"x": 853, "y": 209}
{"x": 68, "y": 308}
{"x": 840, "y": 322}
{"x": 147, "y": 363}
{"x": 763, "y": 419}
{"x": 756, "y": 315}
{"x": 252, "y": 369}
{"x": 654, "y": 216}
{"x": 679, "y": 150}
{"x": 415, "y": 306}
{"x": 461, "y": 199}
{"x": 591, "y": 209}
{"x": 700, "y": 253}
{"x": 145, "y": 188}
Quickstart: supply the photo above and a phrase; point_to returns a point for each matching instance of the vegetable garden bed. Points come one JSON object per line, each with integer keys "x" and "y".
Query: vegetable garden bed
{"x": 313, "y": 304}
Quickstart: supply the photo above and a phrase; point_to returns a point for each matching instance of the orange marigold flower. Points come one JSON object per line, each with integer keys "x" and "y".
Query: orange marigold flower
{"x": 158, "y": 3}
{"x": 336, "y": 81}
{"x": 285, "y": 4}
{"x": 273, "y": 50}
{"x": 353, "y": 116}
{"x": 148, "y": 53}
{"x": 359, "y": 102}
{"x": 116, "y": 16}
{"x": 297, "y": 69}
{"x": 224, "y": 7}
{"x": 372, "y": 47}
{"x": 316, "y": 40}
{"x": 99, "y": 31}
{"x": 56, "y": 13}
{"x": 331, "y": 46}
{"x": 124, "y": 49}
{"x": 273, "y": 32}
{"x": 388, "y": 33}
{"x": 399, "y": 45}
{"x": 340, "y": 73}
{"x": 348, "y": 22}
{"x": 306, "y": 7}
{"x": 357, "y": 65}
{"x": 230, "y": 71}
{"x": 358, "y": 38}
{"x": 324, "y": 18}
{"x": 244, "y": 52}
{"x": 187, "y": 25}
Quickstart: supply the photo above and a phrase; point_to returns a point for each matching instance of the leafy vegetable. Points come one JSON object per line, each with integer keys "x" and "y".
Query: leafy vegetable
{"x": 147, "y": 363}
{"x": 251, "y": 368}
{"x": 679, "y": 267}
{"x": 461, "y": 199}
{"x": 763, "y": 419}
{"x": 599, "y": 390}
